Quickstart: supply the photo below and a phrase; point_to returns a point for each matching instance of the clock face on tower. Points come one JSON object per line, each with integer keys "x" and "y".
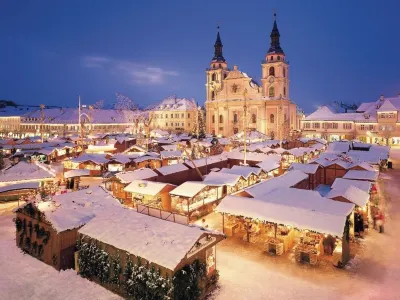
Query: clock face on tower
{"x": 271, "y": 80}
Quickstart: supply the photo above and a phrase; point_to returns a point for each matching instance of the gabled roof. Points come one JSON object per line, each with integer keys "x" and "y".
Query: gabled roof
{"x": 387, "y": 106}
{"x": 189, "y": 188}
{"x": 145, "y": 187}
{"x": 342, "y": 184}
{"x": 23, "y": 171}
{"x": 217, "y": 178}
{"x": 129, "y": 176}
{"x": 361, "y": 175}
{"x": 306, "y": 168}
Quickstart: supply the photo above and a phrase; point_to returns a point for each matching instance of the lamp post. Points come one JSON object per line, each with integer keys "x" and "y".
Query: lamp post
{"x": 245, "y": 127}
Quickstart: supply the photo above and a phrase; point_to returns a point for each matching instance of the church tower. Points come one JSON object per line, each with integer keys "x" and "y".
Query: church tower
{"x": 275, "y": 69}
{"x": 217, "y": 71}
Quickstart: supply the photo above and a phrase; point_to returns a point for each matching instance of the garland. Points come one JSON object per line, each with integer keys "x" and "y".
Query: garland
{"x": 140, "y": 280}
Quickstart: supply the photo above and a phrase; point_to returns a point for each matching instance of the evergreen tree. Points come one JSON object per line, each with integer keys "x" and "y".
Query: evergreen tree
{"x": 202, "y": 126}
{"x": 1, "y": 160}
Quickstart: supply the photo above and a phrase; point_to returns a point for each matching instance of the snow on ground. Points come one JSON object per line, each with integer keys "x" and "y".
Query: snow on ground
{"x": 374, "y": 274}
{"x": 24, "y": 277}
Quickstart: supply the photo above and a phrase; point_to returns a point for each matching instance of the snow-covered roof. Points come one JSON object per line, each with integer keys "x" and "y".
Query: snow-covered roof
{"x": 272, "y": 162}
{"x": 365, "y": 106}
{"x": 342, "y": 184}
{"x": 218, "y": 178}
{"x": 139, "y": 174}
{"x": 20, "y": 186}
{"x": 250, "y": 156}
{"x": 351, "y": 193}
{"x": 96, "y": 158}
{"x": 26, "y": 171}
{"x": 172, "y": 103}
{"x": 166, "y": 170}
{"x": 189, "y": 188}
{"x": 76, "y": 173}
{"x": 145, "y": 187}
{"x": 207, "y": 161}
{"x": 245, "y": 173}
{"x": 170, "y": 154}
{"x": 72, "y": 210}
{"x": 247, "y": 169}
{"x": 288, "y": 179}
{"x": 306, "y": 218}
{"x": 100, "y": 148}
{"x": 144, "y": 158}
{"x": 361, "y": 175}
{"x": 169, "y": 147}
{"x": 135, "y": 147}
{"x": 306, "y": 168}
{"x": 339, "y": 147}
{"x": 387, "y": 106}
{"x": 161, "y": 242}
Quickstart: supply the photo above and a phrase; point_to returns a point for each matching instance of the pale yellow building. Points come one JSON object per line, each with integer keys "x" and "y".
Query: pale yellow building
{"x": 269, "y": 108}
{"x": 174, "y": 114}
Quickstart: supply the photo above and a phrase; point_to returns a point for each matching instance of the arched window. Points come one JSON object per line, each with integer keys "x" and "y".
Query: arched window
{"x": 253, "y": 118}
{"x": 213, "y": 77}
{"x": 213, "y": 118}
{"x": 279, "y": 58}
{"x": 220, "y": 65}
{"x": 271, "y": 118}
{"x": 212, "y": 95}
{"x": 214, "y": 66}
{"x": 272, "y": 58}
{"x": 272, "y": 71}
{"x": 284, "y": 72}
{"x": 235, "y": 118}
{"x": 226, "y": 74}
{"x": 221, "y": 119}
{"x": 284, "y": 91}
{"x": 271, "y": 91}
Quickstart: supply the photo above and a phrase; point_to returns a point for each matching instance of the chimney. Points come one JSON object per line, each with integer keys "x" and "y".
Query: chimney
{"x": 382, "y": 98}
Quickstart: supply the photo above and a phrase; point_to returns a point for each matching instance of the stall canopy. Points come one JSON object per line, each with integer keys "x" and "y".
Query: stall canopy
{"x": 299, "y": 217}
{"x": 77, "y": 173}
{"x": 361, "y": 175}
{"x": 271, "y": 163}
{"x": 288, "y": 179}
{"x": 20, "y": 186}
{"x": 351, "y": 193}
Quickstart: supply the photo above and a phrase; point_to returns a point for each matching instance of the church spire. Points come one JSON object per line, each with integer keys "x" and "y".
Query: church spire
{"x": 218, "y": 49}
{"x": 275, "y": 44}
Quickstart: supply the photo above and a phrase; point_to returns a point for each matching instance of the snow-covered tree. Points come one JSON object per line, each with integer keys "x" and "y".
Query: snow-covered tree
{"x": 124, "y": 103}
{"x": 99, "y": 104}
{"x": 201, "y": 131}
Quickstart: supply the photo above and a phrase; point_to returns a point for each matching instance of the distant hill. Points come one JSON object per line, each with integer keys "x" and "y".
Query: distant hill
{"x": 4, "y": 103}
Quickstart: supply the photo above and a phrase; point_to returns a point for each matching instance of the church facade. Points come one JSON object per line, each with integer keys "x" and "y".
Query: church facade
{"x": 235, "y": 101}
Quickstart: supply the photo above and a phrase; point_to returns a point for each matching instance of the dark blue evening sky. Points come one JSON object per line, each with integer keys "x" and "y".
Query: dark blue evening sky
{"x": 52, "y": 51}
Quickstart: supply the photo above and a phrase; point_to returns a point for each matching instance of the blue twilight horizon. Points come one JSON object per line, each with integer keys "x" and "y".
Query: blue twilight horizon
{"x": 54, "y": 51}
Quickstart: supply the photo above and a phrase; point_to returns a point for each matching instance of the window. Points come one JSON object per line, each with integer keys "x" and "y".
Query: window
{"x": 225, "y": 75}
{"x": 212, "y": 95}
{"x": 284, "y": 72}
{"x": 166, "y": 116}
{"x": 335, "y": 125}
{"x": 271, "y": 118}
{"x": 362, "y": 127}
{"x": 183, "y": 124}
{"x": 177, "y": 116}
{"x": 220, "y": 65}
{"x": 166, "y": 124}
{"x": 271, "y": 91}
{"x": 213, "y": 77}
{"x": 279, "y": 58}
{"x": 272, "y": 71}
{"x": 371, "y": 127}
{"x": 284, "y": 91}
{"x": 253, "y": 118}
{"x": 347, "y": 125}
{"x": 307, "y": 125}
{"x": 172, "y": 115}
{"x": 213, "y": 118}
{"x": 272, "y": 58}
{"x": 235, "y": 118}
{"x": 316, "y": 125}
{"x": 221, "y": 119}
{"x": 188, "y": 115}
{"x": 182, "y": 115}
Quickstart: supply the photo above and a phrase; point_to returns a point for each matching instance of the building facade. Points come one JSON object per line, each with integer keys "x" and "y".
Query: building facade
{"x": 174, "y": 114}
{"x": 372, "y": 122}
{"x": 235, "y": 101}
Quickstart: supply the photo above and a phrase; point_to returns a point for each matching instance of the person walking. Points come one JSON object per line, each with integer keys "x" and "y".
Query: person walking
{"x": 380, "y": 219}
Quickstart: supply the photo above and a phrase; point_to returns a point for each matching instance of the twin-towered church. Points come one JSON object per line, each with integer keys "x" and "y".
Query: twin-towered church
{"x": 269, "y": 108}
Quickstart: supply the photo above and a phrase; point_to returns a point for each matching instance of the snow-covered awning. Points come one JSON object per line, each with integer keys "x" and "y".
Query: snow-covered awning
{"x": 189, "y": 188}
{"x": 20, "y": 186}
